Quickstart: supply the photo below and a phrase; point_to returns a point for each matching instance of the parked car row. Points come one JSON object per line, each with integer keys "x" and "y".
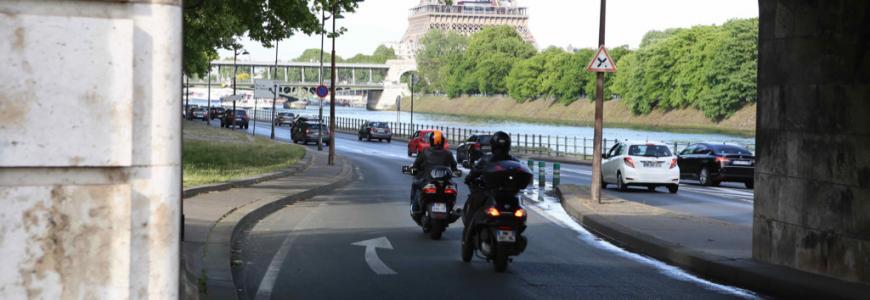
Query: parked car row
{"x": 652, "y": 165}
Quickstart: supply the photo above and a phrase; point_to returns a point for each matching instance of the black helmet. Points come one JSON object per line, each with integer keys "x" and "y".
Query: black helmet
{"x": 500, "y": 143}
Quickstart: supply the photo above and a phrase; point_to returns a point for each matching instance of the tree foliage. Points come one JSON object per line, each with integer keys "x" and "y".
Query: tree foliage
{"x": 437, "y": 49}
{"x": 711, "y": 68}
{"x": 210, "y": 25}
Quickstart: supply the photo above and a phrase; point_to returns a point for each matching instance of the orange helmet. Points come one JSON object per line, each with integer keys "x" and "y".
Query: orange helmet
{"x": 436, "y": 140}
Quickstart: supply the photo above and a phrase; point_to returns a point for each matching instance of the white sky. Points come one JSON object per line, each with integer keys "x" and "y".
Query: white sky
{"x": 552, "y": 22}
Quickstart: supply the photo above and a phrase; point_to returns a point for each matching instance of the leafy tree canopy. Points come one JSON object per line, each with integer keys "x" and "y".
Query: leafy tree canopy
{"x": 210, "y": 25}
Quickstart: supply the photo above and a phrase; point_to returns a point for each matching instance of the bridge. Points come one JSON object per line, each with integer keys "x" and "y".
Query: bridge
{"x": 381, "y": 81}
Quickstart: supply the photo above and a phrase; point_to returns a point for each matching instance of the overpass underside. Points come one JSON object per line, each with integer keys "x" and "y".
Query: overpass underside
{"x": 812, "y": 205}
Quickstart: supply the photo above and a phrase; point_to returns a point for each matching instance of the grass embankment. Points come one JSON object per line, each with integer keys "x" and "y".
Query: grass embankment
{"x": 581, "y": 112}
{"x": 213, "y": 155}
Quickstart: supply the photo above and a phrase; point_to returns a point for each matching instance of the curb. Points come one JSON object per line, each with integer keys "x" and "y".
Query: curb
{"x": 220, "y": 249}
{"x": 748, "y": 274}
{"x": 301, "y": 165}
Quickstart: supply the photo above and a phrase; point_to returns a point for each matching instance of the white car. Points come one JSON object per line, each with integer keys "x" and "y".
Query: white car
{"x": 640, "y": 164}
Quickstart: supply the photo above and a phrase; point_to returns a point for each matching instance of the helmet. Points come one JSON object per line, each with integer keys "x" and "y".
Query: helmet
{"x": 436, "y": 140}
{"x": 500, "y": 143}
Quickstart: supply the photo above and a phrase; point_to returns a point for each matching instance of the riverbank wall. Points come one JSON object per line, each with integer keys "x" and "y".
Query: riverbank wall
{"x": 581, "y": 112}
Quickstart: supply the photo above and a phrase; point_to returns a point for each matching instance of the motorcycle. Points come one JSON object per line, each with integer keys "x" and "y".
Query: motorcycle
{"x": 436, "y": 198}
{"x": 497, "y": 233}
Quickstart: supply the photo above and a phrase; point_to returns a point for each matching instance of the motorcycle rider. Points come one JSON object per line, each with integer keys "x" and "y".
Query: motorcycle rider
{"x": 501, "y": 147}
{"x": 434, "y": 156}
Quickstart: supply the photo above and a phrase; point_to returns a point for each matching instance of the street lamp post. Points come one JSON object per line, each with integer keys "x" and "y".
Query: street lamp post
{"x": 274, "y": 92}
{"x": 320, "y": 114}
{"x": 332, "y": 95}
{"x": 235, "y": 71}
{"x": 412, "y": 81}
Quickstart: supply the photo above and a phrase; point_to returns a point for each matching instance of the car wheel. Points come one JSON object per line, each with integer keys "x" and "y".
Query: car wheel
{"x": 389, "y": 141}
{"x": 620, "y": 185}
{"x": 704, "y": 178}
{"x": 410, "y": 154}
{"x": 369, "y": 138}
{"x": 603, "y": 184}
{"x": 673, "y": 188}
{"x": 750, "y": 184}
{"x": 359, "y": 138}
{"x": 651, "y": 188}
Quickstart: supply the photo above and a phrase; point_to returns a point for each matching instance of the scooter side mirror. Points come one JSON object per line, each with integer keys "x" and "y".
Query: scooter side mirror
{"x": 406, "y": 170}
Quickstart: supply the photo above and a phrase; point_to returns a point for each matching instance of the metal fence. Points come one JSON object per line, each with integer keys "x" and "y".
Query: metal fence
{"x": 529, "y": 144}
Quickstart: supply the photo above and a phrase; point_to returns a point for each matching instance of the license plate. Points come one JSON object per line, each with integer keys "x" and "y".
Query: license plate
{"x": 741, "y": 163}
{"x": 439, "y": 207}
{"x": 652, "y": 163}
{"x": 505, "y": 236}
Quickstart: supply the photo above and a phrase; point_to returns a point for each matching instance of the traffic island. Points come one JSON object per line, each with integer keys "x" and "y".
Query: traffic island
{"x": 712, "y": 249}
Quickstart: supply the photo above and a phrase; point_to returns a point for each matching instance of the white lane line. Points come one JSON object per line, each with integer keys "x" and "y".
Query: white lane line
{"x": 557, "y": 215}
{"x": 375, "y": 263}
{"x": 264, "y": 291}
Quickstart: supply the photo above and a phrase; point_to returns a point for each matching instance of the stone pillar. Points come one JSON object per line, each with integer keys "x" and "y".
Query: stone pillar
{"x": 303, "y": 74}
{"x": 352, "y": 76}
{"x": 90, "y": 149}
{"x": 812, "y": 197}
{"x": 371, "y": 78}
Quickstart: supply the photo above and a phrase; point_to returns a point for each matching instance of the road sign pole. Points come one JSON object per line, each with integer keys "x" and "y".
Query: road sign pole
{"x": 599, "y": 117}
{"x": 275, "y": 98}
{"x": 332, "y": 96}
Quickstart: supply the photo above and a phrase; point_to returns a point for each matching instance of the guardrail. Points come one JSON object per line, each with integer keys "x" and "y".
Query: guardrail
{"x": 530, "y": 144}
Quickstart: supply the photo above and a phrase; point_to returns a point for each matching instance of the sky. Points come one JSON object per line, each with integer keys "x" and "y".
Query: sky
{"x": 553, "y": 23}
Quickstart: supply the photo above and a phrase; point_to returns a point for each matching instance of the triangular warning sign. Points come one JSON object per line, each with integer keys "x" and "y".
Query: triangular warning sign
{"x": 601, "y": 62}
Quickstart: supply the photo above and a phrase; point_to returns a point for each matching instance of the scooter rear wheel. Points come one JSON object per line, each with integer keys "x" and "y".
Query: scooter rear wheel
{"x": 467, "y": 251}
{"x": 436, "y": 230}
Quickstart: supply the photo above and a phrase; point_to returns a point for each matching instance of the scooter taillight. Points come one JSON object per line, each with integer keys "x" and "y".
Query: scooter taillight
{"x": 520, "y": 213}
{"x": 450, "y": 190}
{"x": 430, "y": 189}
{"x": 493, "y": 212}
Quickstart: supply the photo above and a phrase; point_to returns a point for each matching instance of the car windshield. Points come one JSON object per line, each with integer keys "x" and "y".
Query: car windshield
{"x": 484, "y": 140}
{"x": 649, "y": 151}
{"x": 241, "y": 113}
{"x": 379, "y": 125}
{"x": 730, "y": 150}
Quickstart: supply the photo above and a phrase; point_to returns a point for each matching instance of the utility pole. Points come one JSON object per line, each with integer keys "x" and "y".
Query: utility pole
{"x": 208, "y": 97}
{"x": 599, "y": 116}
{"x": 275, "y": 92}
{"x": 332, "y": 96}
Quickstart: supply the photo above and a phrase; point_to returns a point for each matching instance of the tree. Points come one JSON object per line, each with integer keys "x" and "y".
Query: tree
{"x": 524, "y": 79}
{"x": 313, "y": 55}
{"x": 493, "y": 45}
{"x": 213, "y": 25}
{"x": 437, "y": 48}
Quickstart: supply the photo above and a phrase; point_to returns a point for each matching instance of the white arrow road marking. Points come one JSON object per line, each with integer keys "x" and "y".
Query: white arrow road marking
{"x": 372, "y": 258}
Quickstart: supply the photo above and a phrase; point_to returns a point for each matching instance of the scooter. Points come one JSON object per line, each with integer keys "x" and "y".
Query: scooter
{"x": 496, "y": 233}
{"x": 436, "y": 198}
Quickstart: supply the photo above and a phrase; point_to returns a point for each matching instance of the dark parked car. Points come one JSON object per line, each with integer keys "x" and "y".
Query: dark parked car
{"x": 712, "y": 164}
{"x": 284, "y": 118}
{"x": 472, "y": 149}
{"x": 306, "y": 130}
{"x": 241, "y": 118}
{"x": 375, "y": 131}
{"x": 216, "y": 112}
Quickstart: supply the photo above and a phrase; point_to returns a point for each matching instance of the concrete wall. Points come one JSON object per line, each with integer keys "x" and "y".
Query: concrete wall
{"x": 90, "y": 149}
{"x": 812, "y": 201}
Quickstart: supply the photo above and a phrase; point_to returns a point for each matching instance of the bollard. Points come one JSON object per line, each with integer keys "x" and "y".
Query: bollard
{"x": 542, "y": 178}
{"x": 556, "y": 174}
{"x": 531, "y": 165}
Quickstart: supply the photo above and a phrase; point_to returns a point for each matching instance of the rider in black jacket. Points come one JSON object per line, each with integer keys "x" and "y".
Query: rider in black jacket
{"x": 501, "y": 148}
{"x": 434, "y": 156}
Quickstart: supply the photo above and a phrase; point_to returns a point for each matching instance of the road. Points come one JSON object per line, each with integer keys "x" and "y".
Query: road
{"x": 307, "y": 250}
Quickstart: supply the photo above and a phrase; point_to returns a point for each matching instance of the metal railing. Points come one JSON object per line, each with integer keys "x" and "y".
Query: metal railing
{"x": 571, "y": 147}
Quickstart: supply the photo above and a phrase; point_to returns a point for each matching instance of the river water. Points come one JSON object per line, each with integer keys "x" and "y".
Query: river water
{"x": 517, "y": 127}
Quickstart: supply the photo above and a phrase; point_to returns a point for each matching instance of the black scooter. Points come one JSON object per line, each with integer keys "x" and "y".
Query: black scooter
{"x": 436, "y": 198}
{"x": 496, "y": 228}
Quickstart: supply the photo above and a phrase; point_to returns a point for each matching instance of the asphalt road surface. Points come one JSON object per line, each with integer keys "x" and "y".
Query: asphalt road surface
{"x": 314, "y": 249}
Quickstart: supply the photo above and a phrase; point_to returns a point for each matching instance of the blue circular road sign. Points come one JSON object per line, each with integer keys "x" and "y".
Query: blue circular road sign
{"x": 322, "y": 91}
